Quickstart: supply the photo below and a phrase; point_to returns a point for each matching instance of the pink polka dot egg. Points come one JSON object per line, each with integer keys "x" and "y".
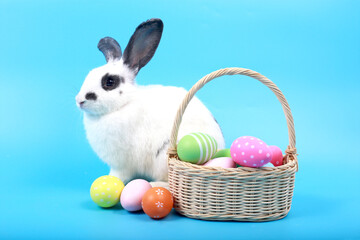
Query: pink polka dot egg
{"x": 248, "y": 151}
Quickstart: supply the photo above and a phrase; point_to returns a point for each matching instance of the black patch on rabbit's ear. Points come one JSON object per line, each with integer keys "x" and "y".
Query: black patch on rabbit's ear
{"x": 110, "y": 48}
{"x": 143, "y": 44}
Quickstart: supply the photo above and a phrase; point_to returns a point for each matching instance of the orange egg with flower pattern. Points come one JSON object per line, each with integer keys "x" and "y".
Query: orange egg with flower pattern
{"x": 157, "y": 202}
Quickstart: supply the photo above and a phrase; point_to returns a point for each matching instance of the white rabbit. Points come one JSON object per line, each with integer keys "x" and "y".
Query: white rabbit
{"x": 129, "y": 126}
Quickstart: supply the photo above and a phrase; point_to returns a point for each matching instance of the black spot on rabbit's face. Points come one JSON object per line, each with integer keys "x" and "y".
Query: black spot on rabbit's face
{"x": 110, "y": 82}
{"x": 90, "y": 96}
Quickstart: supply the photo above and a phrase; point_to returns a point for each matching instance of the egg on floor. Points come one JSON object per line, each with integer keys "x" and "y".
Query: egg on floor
{"x": 157, "y": 202}
{"x": 105, "y": 191}
{"x": 133, "y": 193}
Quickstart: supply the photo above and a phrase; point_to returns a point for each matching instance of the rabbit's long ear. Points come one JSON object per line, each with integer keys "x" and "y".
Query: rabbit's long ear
{"x": 110, "y": 48}
{"x": 143, "y": 44}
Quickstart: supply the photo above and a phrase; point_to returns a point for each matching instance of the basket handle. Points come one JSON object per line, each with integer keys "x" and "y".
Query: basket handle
{"x": 290, "y": 151}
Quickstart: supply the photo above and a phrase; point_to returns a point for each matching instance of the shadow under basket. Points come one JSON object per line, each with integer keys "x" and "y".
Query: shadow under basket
{"x": 233, "y": 194}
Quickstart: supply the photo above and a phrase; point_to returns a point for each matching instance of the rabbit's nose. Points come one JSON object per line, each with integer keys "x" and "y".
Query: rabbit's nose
{"x": 79, "y": 100}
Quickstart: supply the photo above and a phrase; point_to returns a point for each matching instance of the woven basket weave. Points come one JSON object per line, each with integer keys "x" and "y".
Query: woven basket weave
{"x": 232, "y": 194}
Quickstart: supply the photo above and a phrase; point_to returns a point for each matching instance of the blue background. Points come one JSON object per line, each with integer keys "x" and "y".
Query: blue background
{"x": 310, "y": 49}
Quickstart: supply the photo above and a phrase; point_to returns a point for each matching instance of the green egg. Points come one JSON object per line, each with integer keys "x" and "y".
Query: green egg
{"x": 196, "y": 148}
{"x": 222, "y": 153}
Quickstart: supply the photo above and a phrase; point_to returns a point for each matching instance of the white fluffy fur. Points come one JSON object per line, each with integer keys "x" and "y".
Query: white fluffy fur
{"x": 127, "y": 130}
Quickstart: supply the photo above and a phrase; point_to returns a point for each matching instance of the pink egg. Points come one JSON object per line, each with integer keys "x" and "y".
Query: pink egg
{"x": 250, "y": 151}
{"x": 224, "y": 162}
{"x": 277, "y": 156}
{"x": 133, "y": 193}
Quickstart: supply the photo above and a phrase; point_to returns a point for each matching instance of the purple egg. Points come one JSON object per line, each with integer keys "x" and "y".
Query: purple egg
{"x": 133, "y": 193}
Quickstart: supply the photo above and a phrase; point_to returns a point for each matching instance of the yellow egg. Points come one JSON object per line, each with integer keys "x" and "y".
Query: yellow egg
{"x": 106, "y": 190}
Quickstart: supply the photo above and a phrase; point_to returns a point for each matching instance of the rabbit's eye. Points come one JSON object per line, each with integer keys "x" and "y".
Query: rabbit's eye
{"x": 110, "y": 82}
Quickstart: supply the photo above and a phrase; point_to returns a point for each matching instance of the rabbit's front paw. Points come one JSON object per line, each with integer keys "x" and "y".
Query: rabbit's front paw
{"x": 160, "y": 184}
{"x": 122, "y": 175}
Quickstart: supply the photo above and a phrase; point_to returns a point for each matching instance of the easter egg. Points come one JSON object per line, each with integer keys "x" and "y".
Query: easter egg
{"x": 250, "y": 151}
{"x": 224, "y": 162}
{"x": 105, "y": 191}
{"x": 157, "y": 202}
{"x": 196, "y": 148}
{"x": 222, "y": 153}
{"x": 269, "y": 164}
{"x": 277, "y": 156}
{"x": 133, "y": 193}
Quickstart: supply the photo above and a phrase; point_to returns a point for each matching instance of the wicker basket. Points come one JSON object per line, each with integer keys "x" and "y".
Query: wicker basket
{"x": 232, "y": 194}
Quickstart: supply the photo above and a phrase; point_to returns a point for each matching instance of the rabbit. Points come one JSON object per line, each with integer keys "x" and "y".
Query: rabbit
{"x": 128, "y": 125}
